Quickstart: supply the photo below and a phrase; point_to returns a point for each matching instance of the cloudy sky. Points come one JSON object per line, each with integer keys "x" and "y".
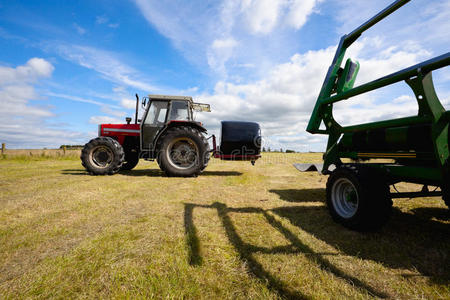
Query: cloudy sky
{"x": 66, "y": 66}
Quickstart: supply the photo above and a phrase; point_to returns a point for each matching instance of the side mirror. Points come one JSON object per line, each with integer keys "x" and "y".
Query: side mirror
{"x": 348, "y": 76}
{"x": 144, "y": 102}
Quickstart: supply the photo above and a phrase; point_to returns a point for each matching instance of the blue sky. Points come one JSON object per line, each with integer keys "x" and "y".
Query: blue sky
{"x": 66, "y": 66}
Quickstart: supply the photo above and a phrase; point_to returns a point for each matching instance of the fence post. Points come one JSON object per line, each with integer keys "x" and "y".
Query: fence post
{"x": 3, "y": 148}
{"x": 64, "y": 150}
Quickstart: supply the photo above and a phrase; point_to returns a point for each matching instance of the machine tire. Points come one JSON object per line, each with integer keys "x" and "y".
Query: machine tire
{"x": 131, "y": 160}
{"x": 358, "y": 198}
{"x": 446, "y": 195}
{"x": 102, "y": 156}
{"x": 446, "y": 185}
{"x": 182, "y": 151}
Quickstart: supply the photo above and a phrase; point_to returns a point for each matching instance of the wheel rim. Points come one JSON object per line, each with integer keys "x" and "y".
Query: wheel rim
{"x": 182, "y": 153}
{"x": 345, "y": 198}
{"x": 101, "y": 156}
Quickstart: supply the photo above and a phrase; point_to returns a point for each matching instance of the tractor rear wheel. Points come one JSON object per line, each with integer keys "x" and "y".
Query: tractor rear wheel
{"x": 131, "y": 159}
{"x": 358, "y": 198}
{"x": 182, "y": 151}
{"x": 102, "y": 156}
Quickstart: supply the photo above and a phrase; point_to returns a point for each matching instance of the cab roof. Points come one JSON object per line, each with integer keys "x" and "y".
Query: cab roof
{"x": 168, "y": 97}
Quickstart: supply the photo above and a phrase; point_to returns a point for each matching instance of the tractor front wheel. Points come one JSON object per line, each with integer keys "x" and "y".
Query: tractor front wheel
{"x": 131, "y": 160}
{"x": 358, "y": 198}
{"x": 102, "y": 156}
{"x": 183, "y": 152}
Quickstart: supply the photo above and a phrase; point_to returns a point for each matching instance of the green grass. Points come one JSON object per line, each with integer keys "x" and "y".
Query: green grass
{"x": 236, "y": 231}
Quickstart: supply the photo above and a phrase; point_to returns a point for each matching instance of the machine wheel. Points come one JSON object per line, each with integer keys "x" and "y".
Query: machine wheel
{"x": 358, "y": 198}
{"x": 446, "y": 196}
{"x": 131, "y": 160}
{"x": 182, "y": 151}
{"x": 102, "y": 156}
{"x": 446, "y": 184}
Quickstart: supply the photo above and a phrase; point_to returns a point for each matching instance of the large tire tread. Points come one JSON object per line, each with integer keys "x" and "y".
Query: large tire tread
{"x": 181, "y": 131}
{"x": 118, "y": 160}
{"x": 131, "y": 160}
{"x": 375, "y": 203}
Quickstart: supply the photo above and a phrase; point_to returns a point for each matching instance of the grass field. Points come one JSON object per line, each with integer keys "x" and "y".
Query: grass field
{"x": 236, "y": 231}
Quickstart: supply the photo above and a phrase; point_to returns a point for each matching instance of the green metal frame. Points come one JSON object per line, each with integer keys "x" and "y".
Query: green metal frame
{"x": 431, "y": 111}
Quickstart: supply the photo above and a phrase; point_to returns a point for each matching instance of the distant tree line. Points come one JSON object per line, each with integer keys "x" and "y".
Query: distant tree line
{"x": 71, "y": 147}
{"x": 281, "y": 150}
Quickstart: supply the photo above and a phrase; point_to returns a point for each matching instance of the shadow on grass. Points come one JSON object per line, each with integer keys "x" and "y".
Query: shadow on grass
{"x": 74, "y": 172}
{"x": 430, "y": 213}
{"x": 306, "y": 195}
{"x": 246, "y": 251}
{"x": 414, "y": 240}
{"x": 151, "y": 173}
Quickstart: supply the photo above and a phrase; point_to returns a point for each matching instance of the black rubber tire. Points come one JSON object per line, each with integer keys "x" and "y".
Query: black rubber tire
{"x": 446, "y": 195}
{"x": 374, "y": 204}
{"x": 182, "y": 132}
{"x": 446, "y": 186}
{"x": 131, "y": 160}
{"x": 116, "y": 156}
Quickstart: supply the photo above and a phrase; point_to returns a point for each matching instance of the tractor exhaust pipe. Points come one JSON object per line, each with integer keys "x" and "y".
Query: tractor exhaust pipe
{"x": 137, "y": 108}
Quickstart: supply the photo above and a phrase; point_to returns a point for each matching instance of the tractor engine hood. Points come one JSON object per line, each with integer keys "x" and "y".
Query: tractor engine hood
{"x": 119, "y": 129}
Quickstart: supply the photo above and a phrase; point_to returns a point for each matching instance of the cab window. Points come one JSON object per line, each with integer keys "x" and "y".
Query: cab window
{"x": 156, "y": 113}
{"x": 179, "y": 110}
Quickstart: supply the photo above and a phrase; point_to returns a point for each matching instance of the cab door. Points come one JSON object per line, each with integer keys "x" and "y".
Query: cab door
{"x": 153, "y": 122}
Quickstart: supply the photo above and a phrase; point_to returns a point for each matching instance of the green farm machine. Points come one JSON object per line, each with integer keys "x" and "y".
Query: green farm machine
{"x": 412, "y": 149}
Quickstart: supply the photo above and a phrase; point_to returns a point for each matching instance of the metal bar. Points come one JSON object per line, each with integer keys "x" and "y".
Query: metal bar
{"x": 388, "y": 123}
{"x": 446, "y": 116}
{"x": 416, "y": 194}
{"x": 424, "y": 67}
{"x": 214, "y": 145}
{"x": 351, "y": 37}
{"x": 137, "y": 109}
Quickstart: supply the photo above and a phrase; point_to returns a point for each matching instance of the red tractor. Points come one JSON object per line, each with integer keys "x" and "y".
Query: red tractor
{"x": 168, "y": 134}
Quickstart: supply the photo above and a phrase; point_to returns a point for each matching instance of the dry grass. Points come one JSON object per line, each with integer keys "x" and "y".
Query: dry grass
{"x": 39, "y": 154}
{"x": 237, "y": 231}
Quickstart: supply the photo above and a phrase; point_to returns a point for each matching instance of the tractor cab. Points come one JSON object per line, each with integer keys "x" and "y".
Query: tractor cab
{"x": 161, "y": 112}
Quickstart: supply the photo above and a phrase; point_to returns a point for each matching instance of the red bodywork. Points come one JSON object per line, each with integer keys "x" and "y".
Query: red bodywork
{"x": 119, "y": 130}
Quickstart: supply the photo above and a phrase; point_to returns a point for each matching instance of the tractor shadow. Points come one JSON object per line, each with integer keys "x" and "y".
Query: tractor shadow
{"x": 151, "y": 173}
{"x": 417, "y": 240}
{"x": 247, "y": 251}
{"x": 74, "y": 172}
{"x": 159, "y": 173}
{"x": 306, "y": 195}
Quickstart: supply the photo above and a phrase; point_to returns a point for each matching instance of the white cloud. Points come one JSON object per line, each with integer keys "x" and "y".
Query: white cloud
{"x": 298, "y": 12}
{"x": 34, "y": 69}
{"x": 231, "y": 34}
{"x": 105, "y": 120}
{"x": 79, "y": 29}
{"x": 25, "y": 124}
{"x": 101, "y": 20}
{"x": 128, "y": 103}
{"x": 282, "y": 102}
{"x": 104, "y": 20}
{"x": 107, "y": 63}
{"x": 220, "y": 52}
{"x": 80, "y": 99}
{"x": 261, "y": 15}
